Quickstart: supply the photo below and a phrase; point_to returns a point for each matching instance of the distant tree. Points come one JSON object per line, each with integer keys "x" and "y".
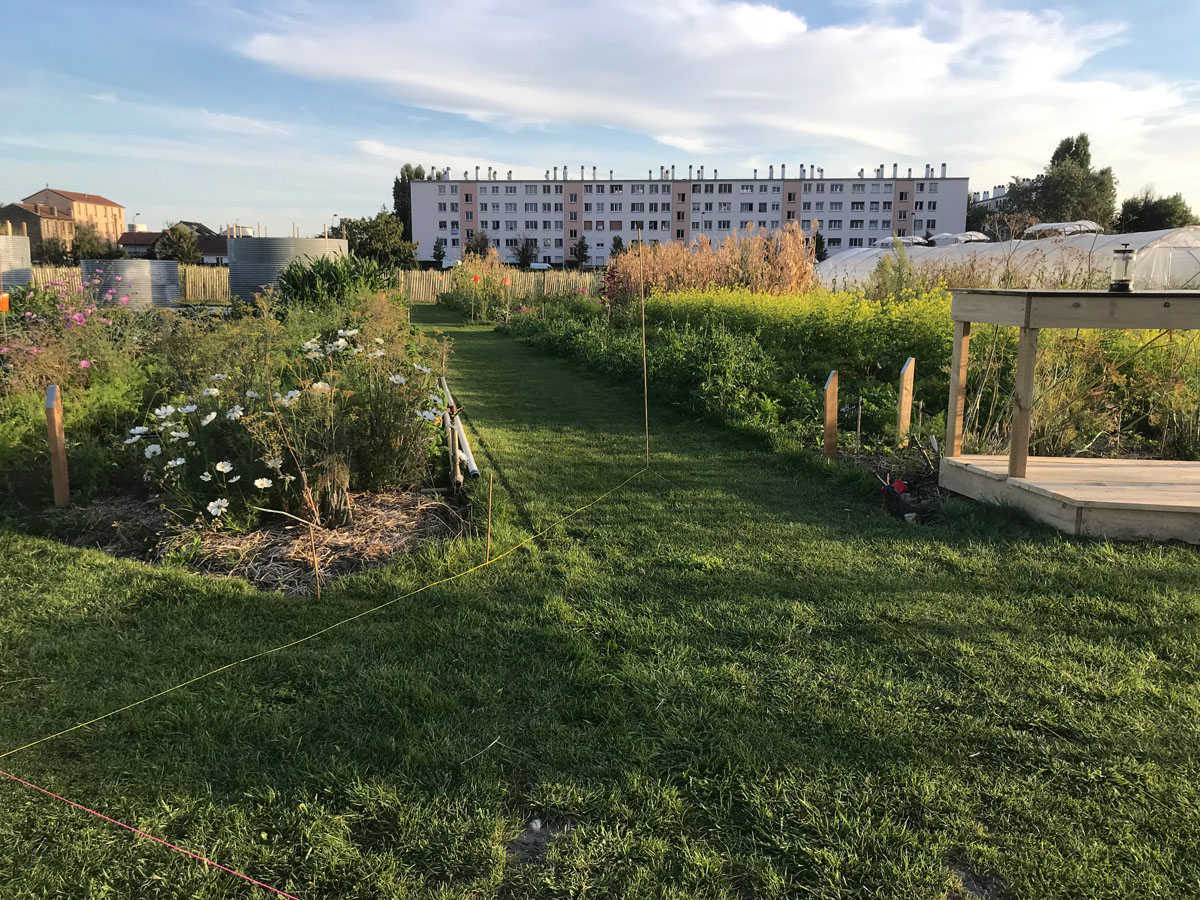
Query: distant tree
{"x": 525, "y": 253}
{"x": 51, "y": 252}
{"x": 1148, "y": 212}
{"x": 89, "y": 245}
{"x": 580, "y": 252}
{"x": 1069, "y": 189}
{"x": 402, "y": 194}
{"x": 178, "y": 243}
{"x": 477, "y": 244}
{"x": 380, "y": 238}
{"x": 618, "y": 246}
{"x": 927, "y": 236}
{"x": 977, "y": 216}
{"x": 819, "y": 250}
{"x": 439, "y": 252}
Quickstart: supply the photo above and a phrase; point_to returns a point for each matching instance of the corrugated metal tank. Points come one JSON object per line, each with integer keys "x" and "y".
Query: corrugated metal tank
{"x": 15, "y": 268}
{"x": 256, "y": 262}
{"x": 146, "y": 282}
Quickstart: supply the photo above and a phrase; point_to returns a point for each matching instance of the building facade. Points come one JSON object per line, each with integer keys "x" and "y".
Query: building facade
{"x": 39, "y": 222}
{"x": 556, "y": 211}
{"x": 107, "y": 217}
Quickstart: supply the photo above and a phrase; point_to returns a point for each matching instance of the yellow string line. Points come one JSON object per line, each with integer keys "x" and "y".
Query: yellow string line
{"x": 328, "y": 628}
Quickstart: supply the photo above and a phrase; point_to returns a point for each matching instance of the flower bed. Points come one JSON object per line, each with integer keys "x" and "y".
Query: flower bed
{"x": 278, "y": 412}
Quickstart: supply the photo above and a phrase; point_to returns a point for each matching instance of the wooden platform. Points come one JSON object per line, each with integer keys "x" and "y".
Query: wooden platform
{"x": 1121, "y": 499}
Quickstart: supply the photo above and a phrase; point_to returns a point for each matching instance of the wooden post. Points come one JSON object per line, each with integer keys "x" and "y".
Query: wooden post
{"x": 958, "y": 389}
{"x": 58, "y": 446}
{"x": 904, "y": 407}
{"x": 1018, "y": 454}
{"x": 858, "y": 429}
{"x": 831, "y": 411}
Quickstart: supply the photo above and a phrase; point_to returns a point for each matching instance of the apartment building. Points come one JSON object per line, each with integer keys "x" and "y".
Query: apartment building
{"x": 39, "y": 222}
{"x": 107, "y": 217}
{"x": 558, "y": 209}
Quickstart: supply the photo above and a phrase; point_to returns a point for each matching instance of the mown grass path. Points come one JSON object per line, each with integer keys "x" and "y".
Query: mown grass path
{"x": 731, "y": 679}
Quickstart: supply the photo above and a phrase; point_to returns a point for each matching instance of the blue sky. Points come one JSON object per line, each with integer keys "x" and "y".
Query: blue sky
{"x": 277, "y": 111}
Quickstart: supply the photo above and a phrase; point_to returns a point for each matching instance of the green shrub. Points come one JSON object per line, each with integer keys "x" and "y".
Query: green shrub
{"x": 330, "y": 281}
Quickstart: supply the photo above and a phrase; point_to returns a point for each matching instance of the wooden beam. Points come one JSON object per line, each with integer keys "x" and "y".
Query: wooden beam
{"x": 831, "y": 411}
{"x": 904, "y": 406}
{"x": 995, "y": 309}
{"x": 958, "y": 388}
{"x": 58, "y": 446}
{"x": 1173, "y": 311}
{"x": 1018, "y": 454}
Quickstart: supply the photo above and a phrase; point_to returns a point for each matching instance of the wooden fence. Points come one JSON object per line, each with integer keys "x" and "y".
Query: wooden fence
{"x": 424, "y": 286}
{"x": 210, "y": 284}
{"x": 206, "y": 284}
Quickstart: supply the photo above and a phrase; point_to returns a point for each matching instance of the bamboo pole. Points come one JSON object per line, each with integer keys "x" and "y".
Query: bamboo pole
{"x": 58, "y": 446}
{"x": 460, "y": 432}
{"x": 487, "y": 556}
{"x": 831, "y": 408}
{"x": 645, "y": 379}
{"x": 858, "y": 429}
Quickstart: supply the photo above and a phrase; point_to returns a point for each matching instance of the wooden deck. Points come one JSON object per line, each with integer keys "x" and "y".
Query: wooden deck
{"x": 1121, "y": 499}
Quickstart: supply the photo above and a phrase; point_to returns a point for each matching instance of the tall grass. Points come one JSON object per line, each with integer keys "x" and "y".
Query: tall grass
{"x": 331, "y": 281}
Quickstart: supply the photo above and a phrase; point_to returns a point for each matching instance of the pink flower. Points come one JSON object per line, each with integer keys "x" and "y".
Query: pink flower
{"x": 116, "y": 278}
{"x": 79, "y": 319}
{"x": 124, "y": 300}
{"x": 85, "y": 364}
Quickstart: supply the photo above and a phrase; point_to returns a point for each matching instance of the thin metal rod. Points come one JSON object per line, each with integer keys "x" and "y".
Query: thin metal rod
{"x": 645, "y": 380}
{"x": 487, "y": 556}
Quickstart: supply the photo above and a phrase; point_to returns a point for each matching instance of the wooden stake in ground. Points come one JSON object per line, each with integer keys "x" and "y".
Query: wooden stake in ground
{"x": 487, "y": 554}
{"x": 645, "y": 380}
{"x": 858, "y": 430}
{"x": 904, "y": 407}
{"x": 831, "y": 410}
{"x": 312, "y": 542}
{"x": 58, "y": 446}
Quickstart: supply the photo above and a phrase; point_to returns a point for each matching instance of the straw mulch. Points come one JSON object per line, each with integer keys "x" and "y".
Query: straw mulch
{"x": 279, "y": 557}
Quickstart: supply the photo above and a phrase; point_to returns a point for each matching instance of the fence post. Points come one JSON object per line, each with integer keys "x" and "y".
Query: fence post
{"x": 58, "y": 446}
{"x": 831, "y": 411}
{"x": 958, "y": 389}
{"x": 904, "y": 407}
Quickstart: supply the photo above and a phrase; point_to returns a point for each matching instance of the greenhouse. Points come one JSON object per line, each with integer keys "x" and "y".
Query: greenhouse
{"x": 1162, "y": 260}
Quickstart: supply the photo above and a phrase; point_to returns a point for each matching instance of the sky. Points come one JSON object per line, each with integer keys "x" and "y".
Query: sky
{"x": 277, "y": 112}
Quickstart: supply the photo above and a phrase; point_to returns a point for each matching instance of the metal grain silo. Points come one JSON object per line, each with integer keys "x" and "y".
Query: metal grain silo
{"x": 256, "y": 262}
{"x": 146, "y": 282}
{"x": 15, "y": 268}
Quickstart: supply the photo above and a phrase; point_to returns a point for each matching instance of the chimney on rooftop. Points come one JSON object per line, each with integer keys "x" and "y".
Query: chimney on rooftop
{"x": 701, "y": 171}
{"x": 689, "y": 173}
{"x": 943, "y": 170}
{"x": 510, "y": 174}
{"x": 821, "y": 172}
{"x": 477, "y": 173}
{"x": 783, "y": 170}
{"x": 593, "y": 173}
{"x": 714, "y": 173}
{"x": 547, "y": 174}
{"x": 861, "y": 172}
{"x": 771, "y": 172}
{"x": 556, "y": 173}
{"x": 910, "y": 171}
{"x": 581, "y": 173}
{"x": 895, "y": 170}
{"x": 755, "y": 176}
{"x": 672, "y": 173}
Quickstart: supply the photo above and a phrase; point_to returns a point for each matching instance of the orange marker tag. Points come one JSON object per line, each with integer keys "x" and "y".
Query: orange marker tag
{"x": 3, "y": 302}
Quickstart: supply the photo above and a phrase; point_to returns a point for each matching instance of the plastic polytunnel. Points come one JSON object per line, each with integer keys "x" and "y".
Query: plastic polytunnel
{"x": 1163, "y": 260}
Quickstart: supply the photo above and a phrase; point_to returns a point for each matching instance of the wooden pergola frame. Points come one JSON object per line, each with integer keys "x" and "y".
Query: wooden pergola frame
{"x": 1032, "y": 311}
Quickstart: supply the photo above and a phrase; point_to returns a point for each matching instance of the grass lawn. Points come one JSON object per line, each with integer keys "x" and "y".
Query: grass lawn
{"x": 732, "y": 679}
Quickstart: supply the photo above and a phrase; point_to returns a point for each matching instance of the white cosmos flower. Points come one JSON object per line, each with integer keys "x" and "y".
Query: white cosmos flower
{"x": 179, "y": 434}
{"x": 428, "y": 415}
{"x": 220, "y": 376}
{"x": 313, "y": 354}
{"x": 217, "y": 507}
{"x": 312, "y": 344}
{"x": 375, "y": 354}
{"x": 288, "y": 399}
{"x": 379, "y": 340}
{"x": 423, "y": 369}
{"x": 347, "y": 333}
{"x": 253, "y": 395}
{"x": 263, "y": 483}
{"x": 288, "y": 479}
{"x": 163, "y": 411}
{"x": 190, "y": 408}
{"x": 234, "y": 413}
{"x": 152, "y": 451}
{"x": 235, "y": 478}
{"x": 140, "y": 429}
{"x": 274, "y": 463}
{"x": 321, "y": 387}
{"x": 207, "y": 419}
{"x": 205, "y": 476}
{"x": 210, "y": 392}
{"x": 172, "y": 463}
{"x": 396, "y": 379}
{"x": 191, "y": 443}
{"x": 224, "y": 466}
{"x": 134, "y": 439}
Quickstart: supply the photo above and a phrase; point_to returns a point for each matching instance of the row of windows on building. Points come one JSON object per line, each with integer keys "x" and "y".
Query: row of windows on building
{"x": 703, "y": 187}
{"x": 696, "y": 224}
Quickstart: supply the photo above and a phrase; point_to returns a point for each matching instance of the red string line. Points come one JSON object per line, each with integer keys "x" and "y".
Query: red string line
{"x": 157, "y": 840}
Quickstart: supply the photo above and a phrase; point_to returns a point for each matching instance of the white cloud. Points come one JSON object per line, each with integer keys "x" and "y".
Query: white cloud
{"x": 237, "y": 124}
{"x": 962, "y": 81}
